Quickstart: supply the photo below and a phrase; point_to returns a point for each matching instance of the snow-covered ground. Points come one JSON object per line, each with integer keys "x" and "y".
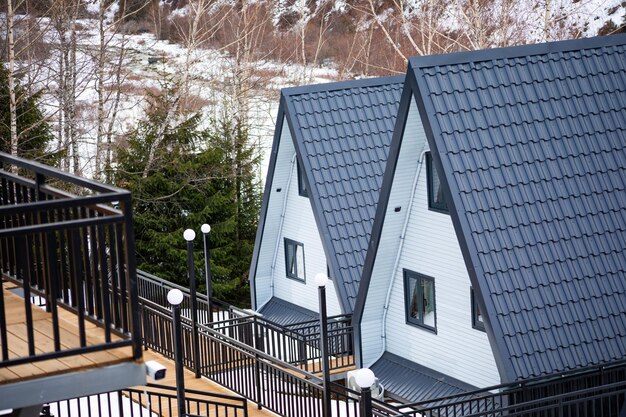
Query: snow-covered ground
{"x": 211, "y": 71}
{"x": 209, "y": 85}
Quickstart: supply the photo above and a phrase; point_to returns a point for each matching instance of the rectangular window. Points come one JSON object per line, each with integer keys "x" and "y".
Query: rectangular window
{"x": 294, "y": 259}
{"x": 419, "y": 293}
{"x": 436, "y": 200}
{"x": 477, "y": 316}
{"x": 302, "y": 188}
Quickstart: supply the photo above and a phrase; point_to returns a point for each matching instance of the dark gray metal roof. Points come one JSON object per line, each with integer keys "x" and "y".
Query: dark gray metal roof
{"x": 285, "y": 313}
{"x": 341, "y": 133}
{"x": 531, "y": 142}
{"x": 408, "y": 381}
{"x": 342, "y": 136}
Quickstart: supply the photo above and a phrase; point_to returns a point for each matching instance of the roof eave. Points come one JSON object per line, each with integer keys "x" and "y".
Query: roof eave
{"x": 314, "y": 198}
{"x": 265, "y": 202}
{"x": 494, "y": 331}
{"x": 379, "y": 218}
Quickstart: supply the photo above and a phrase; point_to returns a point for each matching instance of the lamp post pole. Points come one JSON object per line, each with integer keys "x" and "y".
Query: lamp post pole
{"x": 365, "y": 379}
{"x": 207, "y": 269}
{"x": 189, "y": 235}
{"x": 321, "y": 280}
{"x": 175, "y": 297}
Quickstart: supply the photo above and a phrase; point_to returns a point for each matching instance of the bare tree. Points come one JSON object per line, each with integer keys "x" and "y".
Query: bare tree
{"x": 11, "y": 77}
{"x": 194, "y": 36}
{"x": 23, "y": 39}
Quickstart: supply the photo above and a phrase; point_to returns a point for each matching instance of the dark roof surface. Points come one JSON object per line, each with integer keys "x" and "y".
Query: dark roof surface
{"x": 285, "y": 313}
{"x": 532, "y": 141}
{"x": 410, "y": 382}
{"x": 342, "y": 133}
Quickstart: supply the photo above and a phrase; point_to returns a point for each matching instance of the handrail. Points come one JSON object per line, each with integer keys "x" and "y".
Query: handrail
{"x": 74, "y": 251}
{"x": 58, "y": 174}
{"x": 236, "y": 344}
{"x": 251, "y": 372}
{"x": 198, "y": 403}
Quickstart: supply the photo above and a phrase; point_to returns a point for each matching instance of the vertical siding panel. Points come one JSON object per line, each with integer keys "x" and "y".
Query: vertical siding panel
{"x": 431, "y": 248}
{"x": 299, "y": 225}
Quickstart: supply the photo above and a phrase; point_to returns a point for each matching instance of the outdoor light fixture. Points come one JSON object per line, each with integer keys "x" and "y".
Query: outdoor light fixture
{"x": 205, "y": 228}
{"x": 321, "y": 279}
{"x": 189, "y": 235}
{"x": 365, "y": 378}
{"x": 175, "y": 297}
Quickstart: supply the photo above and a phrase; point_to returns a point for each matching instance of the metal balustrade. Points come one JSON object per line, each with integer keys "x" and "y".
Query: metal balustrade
{"x": 594, "y": 391}
{"x": 63, "y": 239}
{"x": 297, "y": 344}
{"x": 162, "y": 401}
{"x": 278, "y": 386}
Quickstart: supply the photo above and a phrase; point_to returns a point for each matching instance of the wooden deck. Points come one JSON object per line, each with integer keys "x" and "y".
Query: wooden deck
{"x": 191, "y": 382}
{"x": 44, "y": 342}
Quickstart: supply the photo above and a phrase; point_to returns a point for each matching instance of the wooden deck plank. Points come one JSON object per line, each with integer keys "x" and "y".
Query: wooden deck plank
{"x": 200, "y": 384}
{"x": 44, "y": 342}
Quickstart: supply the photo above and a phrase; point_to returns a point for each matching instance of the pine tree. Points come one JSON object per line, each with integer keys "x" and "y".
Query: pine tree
{"x": 197, "y": 176}
{"x": 34, "y": 133}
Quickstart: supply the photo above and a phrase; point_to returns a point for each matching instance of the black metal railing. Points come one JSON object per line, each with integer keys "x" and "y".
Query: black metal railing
{"x": 276, "y": 385}
{"x": 297, "y": 344}
{"x": 73, "y": 249}
{"x": 159, "y": 399}
{"x": 155, "y": 289}
{"x": 595, "y": 391}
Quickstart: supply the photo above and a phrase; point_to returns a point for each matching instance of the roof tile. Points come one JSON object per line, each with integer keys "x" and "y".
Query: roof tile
{"x": 348, "y": 135}
{"x": 534, "y": 149}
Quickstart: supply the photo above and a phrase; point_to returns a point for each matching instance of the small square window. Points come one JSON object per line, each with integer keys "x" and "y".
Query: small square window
{"x": 477, "y": 316}
{"x": 436, "y": 199}
{"x": 419, "y": 293}
{"x": 302, "y": 188}
{"x": 294, "y": 259}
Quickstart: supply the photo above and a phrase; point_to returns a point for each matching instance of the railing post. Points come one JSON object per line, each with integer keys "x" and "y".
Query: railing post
{"x": 175, "y": 297}
{"x": 189, "y": 236}
{"x": 365, "y": 379}
{"x": 257, "y": 367}
{"x": 131, "y": 275}
{"x": 207, "y": 269}
{"x": 321, "y": 280}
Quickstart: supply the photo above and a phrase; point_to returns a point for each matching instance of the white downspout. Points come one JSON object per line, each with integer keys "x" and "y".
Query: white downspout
{"x": 397, "y": 260}
{"x": 280, "y": 231}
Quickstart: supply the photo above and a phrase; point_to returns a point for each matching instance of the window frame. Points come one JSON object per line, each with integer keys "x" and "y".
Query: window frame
{"x": 419, "y": 321}
{"x": 430, "y": 172}
{"x": 476, "y": 324}
{"x": 303, "y": 190}
{"x": 290, "y": 242}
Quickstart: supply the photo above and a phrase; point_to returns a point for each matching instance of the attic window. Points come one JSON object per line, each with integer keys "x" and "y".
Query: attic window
{"x": 419, "y": 293}
{"x": 477, "y": 316}
{"x": 302, "y": 188}
{"x": 436, "y": 199}
{"x": 294, "y": 260}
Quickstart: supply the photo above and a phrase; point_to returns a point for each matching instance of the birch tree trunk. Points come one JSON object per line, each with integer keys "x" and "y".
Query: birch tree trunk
{"x": 11, "y": 78}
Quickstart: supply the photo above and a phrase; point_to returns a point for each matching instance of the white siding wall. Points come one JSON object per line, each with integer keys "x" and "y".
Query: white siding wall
{"x": 371, "y": 323}
{"x": 299, "y": 225}
{"x": 431, "y": 248}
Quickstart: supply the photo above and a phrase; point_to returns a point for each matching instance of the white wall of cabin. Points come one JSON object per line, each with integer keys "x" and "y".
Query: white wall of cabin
{"x": 299, "y": 225}
{"x": 430, "y": 248}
